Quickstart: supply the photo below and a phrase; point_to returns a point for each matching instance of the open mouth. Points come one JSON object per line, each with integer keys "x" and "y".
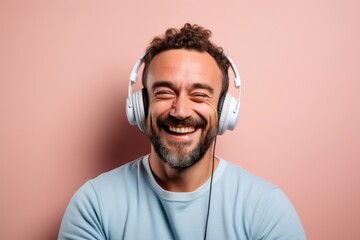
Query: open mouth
{"x": 180, "y": 130}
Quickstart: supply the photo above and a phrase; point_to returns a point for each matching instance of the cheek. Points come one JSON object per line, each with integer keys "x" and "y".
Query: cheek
{"x": 208, "y": 112}
{"x": 155, "y": 110}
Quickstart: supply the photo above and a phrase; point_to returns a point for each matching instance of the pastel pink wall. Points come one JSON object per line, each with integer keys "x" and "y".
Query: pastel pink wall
{"x": 64, "y": 69}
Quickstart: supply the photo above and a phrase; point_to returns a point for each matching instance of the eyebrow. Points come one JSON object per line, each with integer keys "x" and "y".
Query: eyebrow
{"x": 170, "y": 85}
{"x": 203, "y": 86}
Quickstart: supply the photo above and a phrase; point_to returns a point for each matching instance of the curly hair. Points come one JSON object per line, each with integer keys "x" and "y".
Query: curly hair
{"x": 191, "y": 37}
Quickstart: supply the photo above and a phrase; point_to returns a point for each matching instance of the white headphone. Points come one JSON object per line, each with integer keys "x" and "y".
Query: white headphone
{"x": 136, "y": 103}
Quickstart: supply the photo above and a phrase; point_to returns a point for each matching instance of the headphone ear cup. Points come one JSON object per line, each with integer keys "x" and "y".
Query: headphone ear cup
{"x": 130, "y": 113}
{"x": 229, "y": 113}
{"x": 221, "y": 103}
{"x": 135, "y": 109}
{"x": 145, "y": 103}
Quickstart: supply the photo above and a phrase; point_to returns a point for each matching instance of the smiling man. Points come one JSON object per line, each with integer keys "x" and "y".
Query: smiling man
{"x": 181, "y": 190}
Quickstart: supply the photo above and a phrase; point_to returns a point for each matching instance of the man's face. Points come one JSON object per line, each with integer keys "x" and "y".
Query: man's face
{"x": 184, "y": 89}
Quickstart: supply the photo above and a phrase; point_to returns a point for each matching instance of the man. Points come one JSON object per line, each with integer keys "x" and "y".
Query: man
{"x": 181, "y": 190}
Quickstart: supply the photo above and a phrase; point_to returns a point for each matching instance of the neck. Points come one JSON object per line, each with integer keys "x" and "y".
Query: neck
{"x": 184, "y": 180}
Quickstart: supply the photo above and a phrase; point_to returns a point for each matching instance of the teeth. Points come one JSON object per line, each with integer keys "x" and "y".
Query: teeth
{"x": 182, "y": 129}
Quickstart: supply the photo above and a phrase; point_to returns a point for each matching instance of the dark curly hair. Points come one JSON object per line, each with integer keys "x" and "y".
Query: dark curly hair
{"x": 191, "y": 37}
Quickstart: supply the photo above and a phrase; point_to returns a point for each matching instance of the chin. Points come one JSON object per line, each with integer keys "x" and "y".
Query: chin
{"x": 176, "y": 157}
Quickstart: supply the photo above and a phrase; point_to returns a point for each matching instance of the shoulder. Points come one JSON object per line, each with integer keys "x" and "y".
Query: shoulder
{"x": 112, "y": 184}
{"x": 245, "y": 181}
{"x": 93, "y": 204}
{"x": 253, "y": 190}
{"x": 119, "y": 174}
{"x": 269, "y": 212}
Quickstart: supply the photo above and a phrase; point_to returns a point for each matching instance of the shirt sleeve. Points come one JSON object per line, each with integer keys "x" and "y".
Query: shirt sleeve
{"x": 276, "y": 218}
{"x": 82, "y": 217}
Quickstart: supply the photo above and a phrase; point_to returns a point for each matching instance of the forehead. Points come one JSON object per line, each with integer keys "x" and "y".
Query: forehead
{"x": 184, "y": 67}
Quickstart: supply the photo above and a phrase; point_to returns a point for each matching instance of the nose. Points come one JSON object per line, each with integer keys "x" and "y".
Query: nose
{"x": 180, "y": 108}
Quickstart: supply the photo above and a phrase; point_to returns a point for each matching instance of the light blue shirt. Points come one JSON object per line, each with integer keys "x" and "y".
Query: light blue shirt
{"x": 127, "y": 203}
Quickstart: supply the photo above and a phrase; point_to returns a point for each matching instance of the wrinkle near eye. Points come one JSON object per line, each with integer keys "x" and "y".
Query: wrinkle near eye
{"x": 199, "y": 97}
{"x": 164, "y": 94}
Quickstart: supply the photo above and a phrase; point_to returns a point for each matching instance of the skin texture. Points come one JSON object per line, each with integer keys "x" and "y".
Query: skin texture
{"x": 184, "y": 90}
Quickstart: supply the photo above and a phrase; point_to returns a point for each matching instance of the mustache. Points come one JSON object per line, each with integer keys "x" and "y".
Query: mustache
{"x": 188, "y": 122}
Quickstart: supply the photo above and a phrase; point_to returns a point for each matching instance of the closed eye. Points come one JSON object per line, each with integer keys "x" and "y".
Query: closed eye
{"x": 164, "y": 94}
{"x": 199, "y": 97}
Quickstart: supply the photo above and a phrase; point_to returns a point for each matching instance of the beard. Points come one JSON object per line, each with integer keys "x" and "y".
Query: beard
{"x": 182, "y": 158}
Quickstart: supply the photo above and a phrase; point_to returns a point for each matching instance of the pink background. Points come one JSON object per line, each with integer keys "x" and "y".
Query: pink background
{"x": 64, "y": 69}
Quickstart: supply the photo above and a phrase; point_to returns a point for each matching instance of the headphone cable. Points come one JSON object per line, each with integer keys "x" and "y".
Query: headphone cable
{"x": 210, "y": 190}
